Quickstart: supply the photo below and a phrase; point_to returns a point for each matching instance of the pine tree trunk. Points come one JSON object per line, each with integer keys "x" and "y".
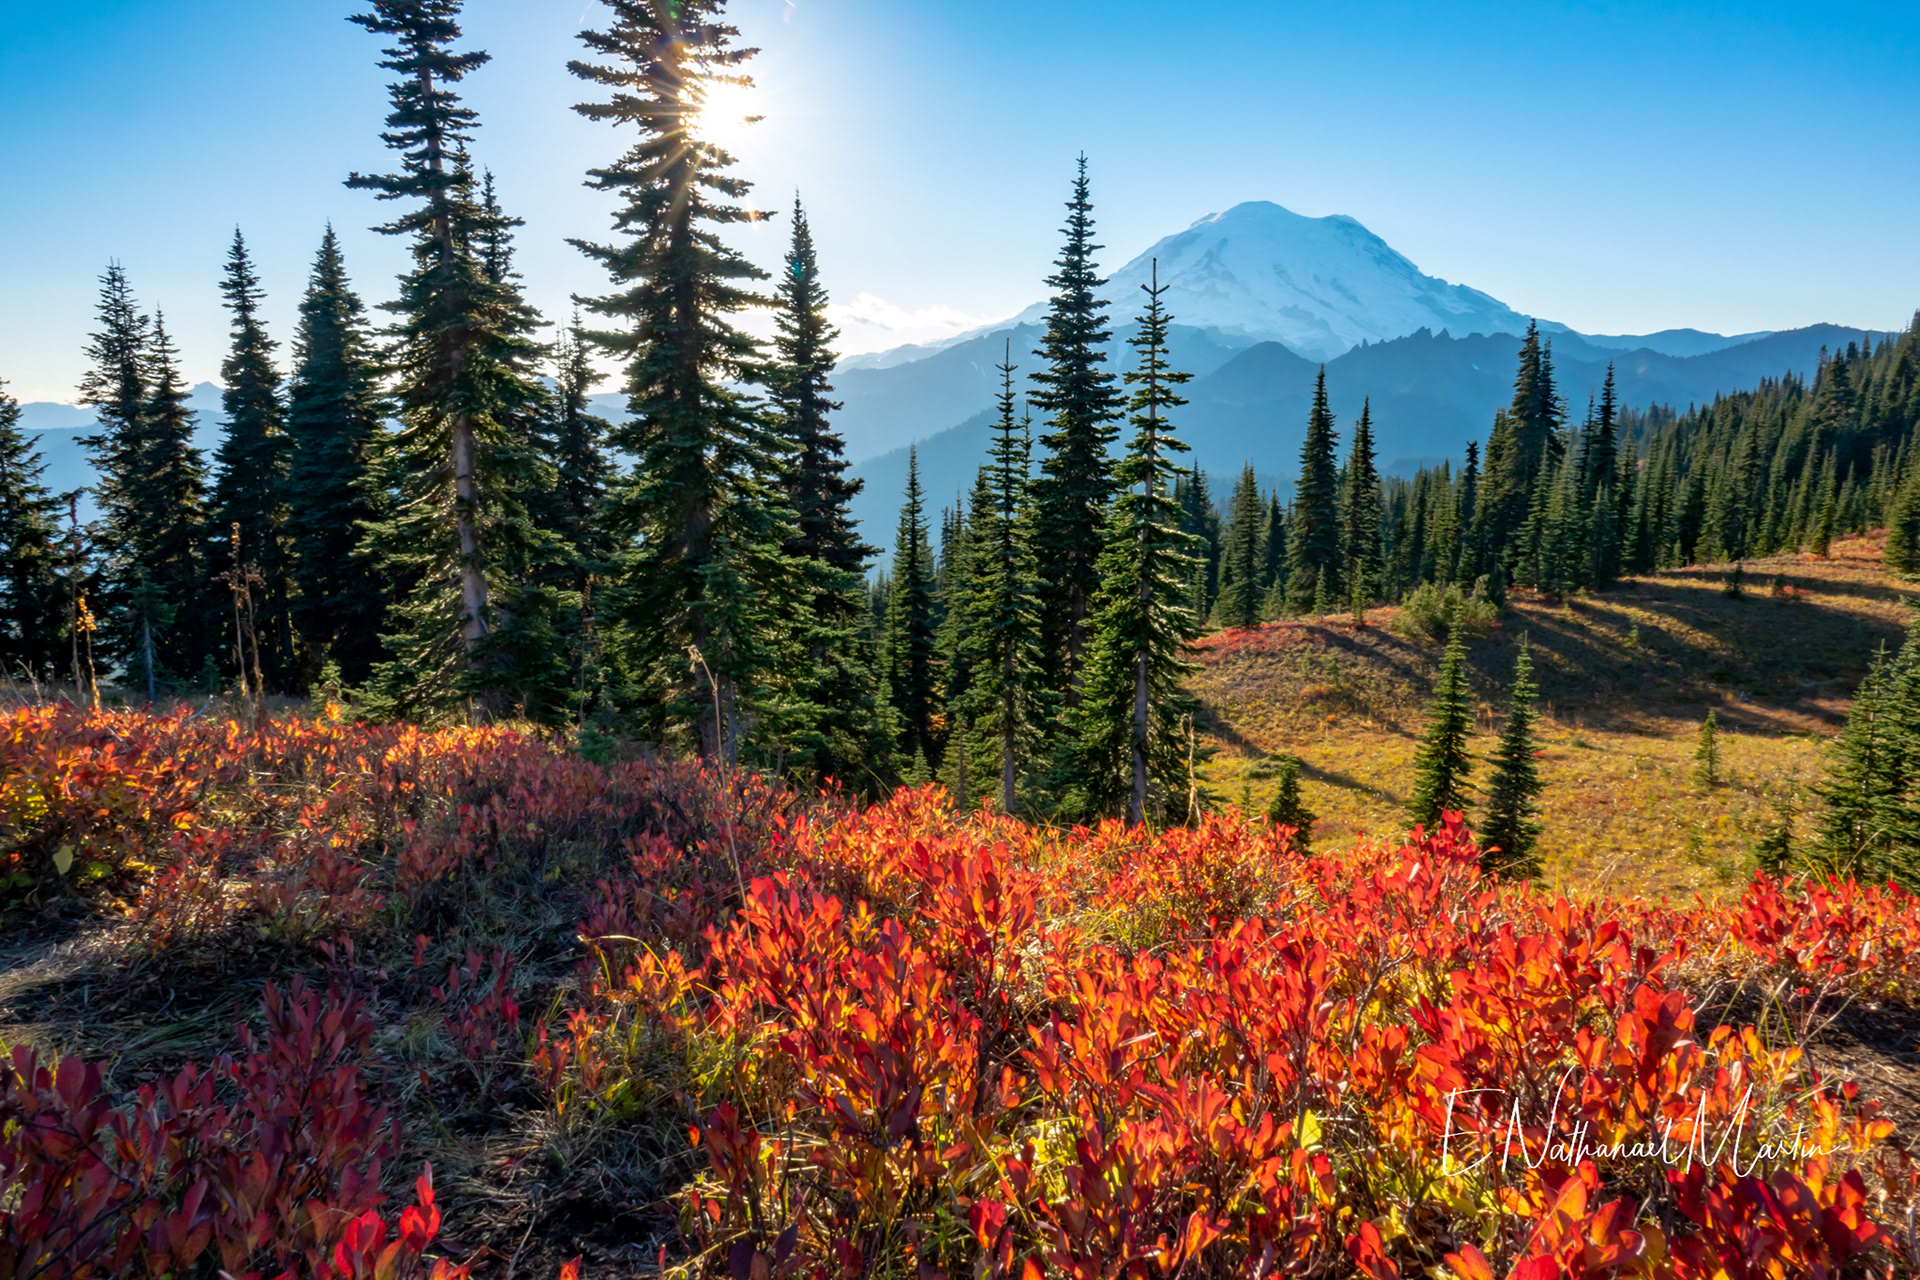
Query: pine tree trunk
{"x": 1008, "y": 772}
{"x": 473, "y": 578}
{"x": 146, "y": 648}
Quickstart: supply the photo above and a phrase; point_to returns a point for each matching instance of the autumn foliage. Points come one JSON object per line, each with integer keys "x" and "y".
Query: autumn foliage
{"x": 907, "y": 1041}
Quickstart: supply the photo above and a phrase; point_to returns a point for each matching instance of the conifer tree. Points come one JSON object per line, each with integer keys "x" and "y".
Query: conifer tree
{"x": 1706, "y": 753}
{"x": 152, "y": 492}
{"x": 1512, "y": 828}
{"x": 577, "y": 449}
{"x": 703, "y": 516}
{"x": 1442, "y": 763}
{"x": 1273, "y": 569}
{"x": 1130, "y": 752}
{"x": 1360, "y": 510}
{"x": 334, "y": 414}
{"x": 115, "y": 388}
{"x": 251, "y": 467}
{"x": 826, "y": 541}
{"x": 1000, "y": 613}
{"x": 1825, "y": 511}
{"x": 1082, "y": 408}
{"x": 1313, "y": 547}
{"x": 912, "y": 626}
{"x": 1470, "y": 558}
{"x": 1242, "y": 558}
{"x": 1289, "y": 810}
{"x": 1866, "y": 805}
{"x": 33, "y": 564}
{"x": 461, "y": 464}
{"x": 1526, "y": 440}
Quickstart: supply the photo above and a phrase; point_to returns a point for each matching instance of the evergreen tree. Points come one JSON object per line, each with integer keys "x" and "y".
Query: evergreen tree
{"x": 461, "y": 464}
{"x": 1525, "y": 441}
{"x": 1512, "y": 828}
{"x": 1442, "y": 763}
{"x": 1706, "y": 753}
{"x": 1273, "y": 568}
{"x": 1289, "y": 810}
{"x": 577, "y": 450}
{"x": 703, "y": 516}
{"x": 1243, "y": 557}
{"x": 1865, "y": 782}
{"x": 251, "y": 468}
{"x": 115, "y": 388}
{"x": 34, "y": 625}
{"x": 334, "y": 415}
{"x": 1130, "y": 751}
{"x": 912, "y": 626}
{"x": 1082, "y": 406}
{"x": 1313, "y": 549}
{"x": 1001, "y": 613}
{"x": 1470, "y": 558}
{"x": 839, "y": 695}
{"x": 153, "y": 493}
{"x": 1360, "y": 510}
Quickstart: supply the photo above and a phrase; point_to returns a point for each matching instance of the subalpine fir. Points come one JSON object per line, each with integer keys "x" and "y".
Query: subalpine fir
{"x": 1242, "y": 558}
{"x": 459, "y": 464}
{"x": 1133, "y": 723}
{"x": 1000, "y": 614}
{"x": 912, "y": 627}
{"x": 702, "y": 518}
{"x": 153, "y": 498}
{"x": 250, "y": 474}
{"x": 1313, "y": 545}
{"x": 1442, "y": 764}
{"x": 1511, "y": 829}
{"x": 35, "y": 563}
{"x": 1360, "y": 510}
{"x": 334, "y": 415}
{"x": 838, "y": 696}
{"x": 1082, "y": 408}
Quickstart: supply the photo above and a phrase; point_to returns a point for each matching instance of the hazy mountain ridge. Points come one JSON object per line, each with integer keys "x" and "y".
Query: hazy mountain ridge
{"x": 1430, "y": 392}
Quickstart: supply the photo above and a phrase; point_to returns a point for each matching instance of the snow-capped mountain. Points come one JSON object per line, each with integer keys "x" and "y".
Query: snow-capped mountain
{"x": 1322, "y": 286}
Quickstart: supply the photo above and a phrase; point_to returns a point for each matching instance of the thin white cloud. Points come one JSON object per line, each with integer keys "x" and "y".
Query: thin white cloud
{"x": 871, "y": 323}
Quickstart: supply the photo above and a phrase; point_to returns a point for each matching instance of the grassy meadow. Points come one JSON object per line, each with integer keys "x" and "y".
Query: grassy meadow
{"x": 1625, "y": 678}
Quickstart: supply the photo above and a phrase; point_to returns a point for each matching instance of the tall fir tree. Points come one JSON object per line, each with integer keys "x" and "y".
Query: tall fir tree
{"x": 577, "y": 450}
{"x": 1313, "y": 547}
{"x": 912, "y": 628}
{"x": 1442, "y": 764}
{"x": 1133, "y": 722}
{"x": 1511, "y": 829}
{"x": 1243, "y": 558}
{"x": 251, "y": 471}
{"x": 1082, "y": 407}
{"x": 1360, "y": 513}
{"x": 34, "y": 563}
{"x": 115, "y": 387}
{"x": 702, "y": 518}
{"x": 459, "y": 465}
{"x": 838, "y": 695}
{"x": 334, "y": 415}
{"x": 1000, "y": 613}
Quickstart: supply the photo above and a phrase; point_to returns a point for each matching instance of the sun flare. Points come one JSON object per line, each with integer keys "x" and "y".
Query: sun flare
{"x": 727, "y": 113}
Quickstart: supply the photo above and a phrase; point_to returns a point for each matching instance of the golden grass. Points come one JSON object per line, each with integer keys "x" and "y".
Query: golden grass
{"x": 1625, "y": 677}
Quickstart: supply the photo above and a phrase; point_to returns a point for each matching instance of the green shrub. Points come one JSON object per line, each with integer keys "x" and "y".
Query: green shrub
{"x": 1430, "y": 612}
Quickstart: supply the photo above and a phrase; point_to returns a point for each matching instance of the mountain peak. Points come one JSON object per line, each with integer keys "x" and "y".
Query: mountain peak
{"x": 1319, "y": 285}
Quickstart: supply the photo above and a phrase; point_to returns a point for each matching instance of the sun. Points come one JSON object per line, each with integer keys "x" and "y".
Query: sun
{"x": 727, "y": 113}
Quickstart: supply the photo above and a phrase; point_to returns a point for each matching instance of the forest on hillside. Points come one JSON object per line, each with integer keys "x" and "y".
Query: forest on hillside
{"x": 425, "y": 518}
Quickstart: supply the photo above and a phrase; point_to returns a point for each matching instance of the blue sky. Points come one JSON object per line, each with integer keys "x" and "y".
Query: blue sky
{"x": 1619, "y": 167}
